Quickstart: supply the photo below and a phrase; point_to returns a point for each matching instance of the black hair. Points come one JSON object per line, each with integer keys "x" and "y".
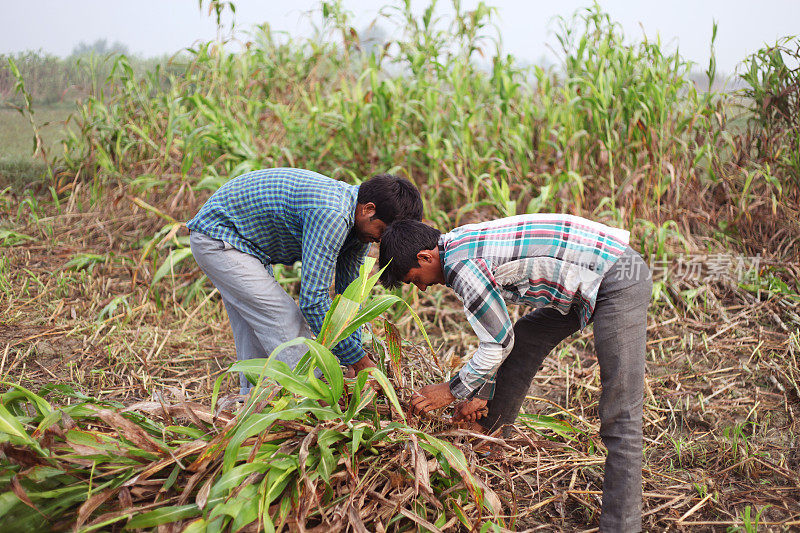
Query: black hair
{"x": 395, "y": 198}
{"x": 400, "y": 244}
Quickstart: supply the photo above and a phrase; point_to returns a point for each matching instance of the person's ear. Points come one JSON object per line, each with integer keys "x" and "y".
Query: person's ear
{"x": 424, "y": 256}
{"x": 368, "y": 209}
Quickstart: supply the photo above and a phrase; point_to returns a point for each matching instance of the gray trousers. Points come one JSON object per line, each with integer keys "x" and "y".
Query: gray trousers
{"x": 620, "y": 326}
{"x": 262, "y": 315}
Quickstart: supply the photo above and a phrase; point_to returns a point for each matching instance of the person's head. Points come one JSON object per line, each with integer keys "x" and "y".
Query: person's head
{"x": 411, "y": 250}
{"x": 382, "y": 199}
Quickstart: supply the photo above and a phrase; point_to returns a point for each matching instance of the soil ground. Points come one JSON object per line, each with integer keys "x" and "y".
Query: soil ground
{"x": 722, "y": 402}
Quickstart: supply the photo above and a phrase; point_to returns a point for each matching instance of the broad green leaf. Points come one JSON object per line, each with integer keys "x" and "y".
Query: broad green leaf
{"x": 11, "y": 426}
{"x": 356, "y": 441}
{"x": 85, "y": 262}
{"x": 275, "y": 482}
{"x": 243, "y": 509}
{"x": 330, "y": 366}
{"x": 280, "y": 372}
{"x": 341, "y": 320}
{"x": 163, "y": 515}
{"x": 455, "y": 457}
{"x": 41, "y": 404}
{"x": 173, "y": 259}
{"x": 362, "y": 286}
{"x": 12, "y": 238}
{"x": 370, "y": 311}
{"x": 233, "y": 478}
{"x": 252, "y": 425}
{"x": 53, "y": 417}
{"x": 215, "y": 392}
{"x": 321, "y": 413}
{"x": 340, "y": 315}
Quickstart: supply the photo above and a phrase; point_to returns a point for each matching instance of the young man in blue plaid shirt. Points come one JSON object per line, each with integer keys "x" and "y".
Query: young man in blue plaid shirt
{"x": 285, "y": 215}
{"x": 571, "y": 271}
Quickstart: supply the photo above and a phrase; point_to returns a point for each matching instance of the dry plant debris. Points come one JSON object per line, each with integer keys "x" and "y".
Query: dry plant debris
{"x": 721, "y": 411}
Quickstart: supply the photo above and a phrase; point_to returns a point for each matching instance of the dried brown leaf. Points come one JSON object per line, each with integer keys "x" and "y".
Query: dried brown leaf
{"x": 422, "y": 479}
{"x": 90, "y": 505}
{"x": 355, "y": 520}
{"x": 202, "y": 494}
{"x": 130, "y": 431}
{"x": 19, "y": 492}
{"x": 125, "y": 500}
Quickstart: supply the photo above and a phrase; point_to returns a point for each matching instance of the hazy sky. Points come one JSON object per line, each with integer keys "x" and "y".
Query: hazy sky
{"x": 154, "y": 27}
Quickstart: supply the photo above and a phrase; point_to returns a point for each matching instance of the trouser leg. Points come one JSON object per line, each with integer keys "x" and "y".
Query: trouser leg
{"x": 247, "y": 344}
{"x": 620, "y": 326}
{"x": 535, "y": 335}
{"x": 260, "y": 311}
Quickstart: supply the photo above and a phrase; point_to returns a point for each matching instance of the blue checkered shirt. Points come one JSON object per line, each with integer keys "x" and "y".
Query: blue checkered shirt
{"x": 284, "y": 215}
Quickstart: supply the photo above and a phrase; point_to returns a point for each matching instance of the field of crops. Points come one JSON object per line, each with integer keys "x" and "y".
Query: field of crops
{"x": 118, "y": 406}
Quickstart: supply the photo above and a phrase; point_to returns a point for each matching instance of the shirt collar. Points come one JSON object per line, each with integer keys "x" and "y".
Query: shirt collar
{"x": 352, "y": 201}
{"x": 449, "y": 275}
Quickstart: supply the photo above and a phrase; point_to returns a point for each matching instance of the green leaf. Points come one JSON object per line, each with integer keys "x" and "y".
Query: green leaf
{"x": 370, "y": 311}
{"x": 12, "y": 427}
{"x": 361, "y": 287}
{"x": 252, "y": 425}
{"x": 108, "y": 311}
{"x": 246, "y": 508}
{"x": 173, "y": 259}
{"x": 343, "y": 317}
{"x": 356, "y": 441}
{"x": 85, "y": 262}
{"x": 338, "y": 318}
{"x": 455, "y": 458}
{"x": 12, "y": 238}
{"x": 233, "y": 479}
{"x": 283, "y": 374}
{"x": 328, "y": 462}
{"x": 559, "y": 427}
{"x": 41, "y": 404}
{"x": 198, "y": 526}
{"x": 356, "y": 403}
{"x": 275, "y": 482}
{"x": 387, "y": 387}
{"x": 163, "y": 515}
{"x": 215, "y": 392}
{"x": 330, "y": 366}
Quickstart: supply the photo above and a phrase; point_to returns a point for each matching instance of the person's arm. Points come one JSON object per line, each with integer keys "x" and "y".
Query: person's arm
{"x": 347, "y": 267}
{"x": 487, "y": 313}
{"x": 324, "y": 232}
{"x": 348, "y": 264}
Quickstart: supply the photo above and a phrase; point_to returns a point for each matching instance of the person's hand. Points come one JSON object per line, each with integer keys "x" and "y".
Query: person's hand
{"x": 431, "y": 397}
{"x": 361, "y": 364}
{"x": 358, "y": 366}
{"x": 470, "y": 410}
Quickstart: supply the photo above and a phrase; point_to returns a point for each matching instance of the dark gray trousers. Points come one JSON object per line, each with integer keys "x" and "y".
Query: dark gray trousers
{"x": 620, "y": 327}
